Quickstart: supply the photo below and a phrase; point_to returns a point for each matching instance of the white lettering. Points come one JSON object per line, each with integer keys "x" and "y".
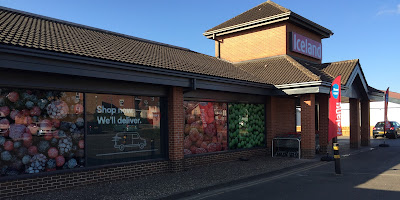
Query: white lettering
{"x": 297, "y": 43}
{"x": 128, "y": 120}
{"x": 338, "y": 116}
{"x": 104, "y": 120}
{"x": 315, "y": 50}
{"x": 303, "y": 45}
{"x": 126, "y": 110}
{"x": 306, "y": 46}
{"x": 319, "y": 52}
{"x": 99, "y": 109}
{"x": 102, "y": 109}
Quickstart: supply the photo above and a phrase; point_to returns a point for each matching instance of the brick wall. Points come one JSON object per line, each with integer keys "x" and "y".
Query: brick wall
{"x": 307, "y": 102}
{"x": 176, "y": 123}
{"x": 280, "y": 114}
{"x": 47, "y": 183}
{"x": 323, "y": 100}
{"x": 281, "y": 117}
{"x": 261, "y": 42}
{"x": 252, "y": 44}
{"x": 355, "y": 131}
{"x": 365, "y": 123}
{"x": 65, "y": 180}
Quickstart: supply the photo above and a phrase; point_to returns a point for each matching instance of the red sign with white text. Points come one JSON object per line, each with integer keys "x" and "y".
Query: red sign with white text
{"x": 306, "y": 46}
{"x": 335, "y": 110}
{"x": 387, "y": 124}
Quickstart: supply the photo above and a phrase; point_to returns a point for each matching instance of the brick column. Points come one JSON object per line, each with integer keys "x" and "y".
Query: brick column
{"x": 280, "y": 117}
{"x": 323, "y": 100}
{"x": 176, "y": 122}
{"x": 354, "y": 123}
{"x": 307, "y": 102}
{"x": 270, "y": 112}
{"x": 365, "y": 120}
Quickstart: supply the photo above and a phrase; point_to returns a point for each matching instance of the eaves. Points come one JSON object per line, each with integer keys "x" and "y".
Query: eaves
{"x": 313, "y": 87}
{"x": 290, "y": 16}
{"x": 22, "y": 58}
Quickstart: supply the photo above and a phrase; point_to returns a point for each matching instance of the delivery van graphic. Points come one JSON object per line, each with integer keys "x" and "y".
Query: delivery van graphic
{"x": 123, "y": 140}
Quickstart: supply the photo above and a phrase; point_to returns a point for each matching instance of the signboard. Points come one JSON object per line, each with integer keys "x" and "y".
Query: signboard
{"x": 335, "y": 110}
{"x": 387, "y": 124}
{"x": 122, "y": 128}
{"x": 305, "y": 46}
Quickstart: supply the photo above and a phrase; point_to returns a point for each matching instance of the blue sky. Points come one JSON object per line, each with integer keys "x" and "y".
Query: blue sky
{"x": 364, "y": 29}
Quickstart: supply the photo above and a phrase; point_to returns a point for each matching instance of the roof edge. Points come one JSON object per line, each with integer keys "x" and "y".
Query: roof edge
{"x": 292, "y": 17}
{"x": 358, "y": 60}
{"x": 239, "y": 27}
{"x": 58, "y": 56}
{"x": 302, "y": 84}
{"x": 327, "y": 33}
{"x": 283, "y": 9}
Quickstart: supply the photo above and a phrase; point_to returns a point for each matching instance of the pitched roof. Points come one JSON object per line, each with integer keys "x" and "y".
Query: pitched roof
{"x": 32, "y": 31}
{"x": 278, "y": 70}
{"x": 393, "y": 95}
{"x": 266, "y": 9}
{"x": 284, "y": 69}
{"x": 28, "y": 30}
{"x": 265, "y": 13}
{"x": 328, "y": 71}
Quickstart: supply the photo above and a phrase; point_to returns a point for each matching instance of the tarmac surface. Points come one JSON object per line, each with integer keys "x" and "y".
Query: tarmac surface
{"x": 372, "y": 174}
{"x": 202, "y": 180}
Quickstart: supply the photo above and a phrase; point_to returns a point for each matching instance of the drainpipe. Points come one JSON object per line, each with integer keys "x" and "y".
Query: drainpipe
{"x": 218, "y": 46}
{"x": 193, "y": 86}
{"x": 219, "y": 49}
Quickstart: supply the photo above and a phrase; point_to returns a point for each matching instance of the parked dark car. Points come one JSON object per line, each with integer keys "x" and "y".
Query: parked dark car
{"x": 393, "y": 132}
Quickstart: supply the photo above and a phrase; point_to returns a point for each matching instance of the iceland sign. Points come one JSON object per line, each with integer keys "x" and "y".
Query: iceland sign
{"x": 305, "y": 46}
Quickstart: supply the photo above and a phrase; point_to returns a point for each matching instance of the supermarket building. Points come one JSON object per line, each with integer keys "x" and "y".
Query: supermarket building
{"x": 81, "y": 105}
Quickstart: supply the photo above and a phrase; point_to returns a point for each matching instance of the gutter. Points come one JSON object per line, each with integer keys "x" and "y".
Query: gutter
{"x": 304, "y": 84}
{"x": 125, "y": 66}
{"x": 219, "y": 32}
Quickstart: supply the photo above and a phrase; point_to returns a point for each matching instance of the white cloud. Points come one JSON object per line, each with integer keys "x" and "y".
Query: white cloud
{"x": 395, "y": 11}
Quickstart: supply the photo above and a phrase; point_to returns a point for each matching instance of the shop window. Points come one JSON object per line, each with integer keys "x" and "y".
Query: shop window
{"x": 246, "y": 126}
{"x": 122, "y": 128}
{"x": 40, "y": 130}
{"x": 205, "y": 127}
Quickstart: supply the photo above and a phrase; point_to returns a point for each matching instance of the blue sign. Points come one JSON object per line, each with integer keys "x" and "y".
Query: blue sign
{"x": 387, "y": 97}
{"x": 335, "y": 91}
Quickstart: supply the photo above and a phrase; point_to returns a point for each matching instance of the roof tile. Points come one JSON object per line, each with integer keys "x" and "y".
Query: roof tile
{"x": 264, "y": 10}
{"x": 285, "y": 69}
{"x": 276, "y": 70}
{"x": 33, "y": 31}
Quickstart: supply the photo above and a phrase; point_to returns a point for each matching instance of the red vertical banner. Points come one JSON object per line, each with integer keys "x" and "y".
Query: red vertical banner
{"x": 387, "y": 124}
{"x": 335, "y": 110}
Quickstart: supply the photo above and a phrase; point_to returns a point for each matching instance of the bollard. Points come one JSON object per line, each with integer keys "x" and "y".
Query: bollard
{"x": 336, "y": 156}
